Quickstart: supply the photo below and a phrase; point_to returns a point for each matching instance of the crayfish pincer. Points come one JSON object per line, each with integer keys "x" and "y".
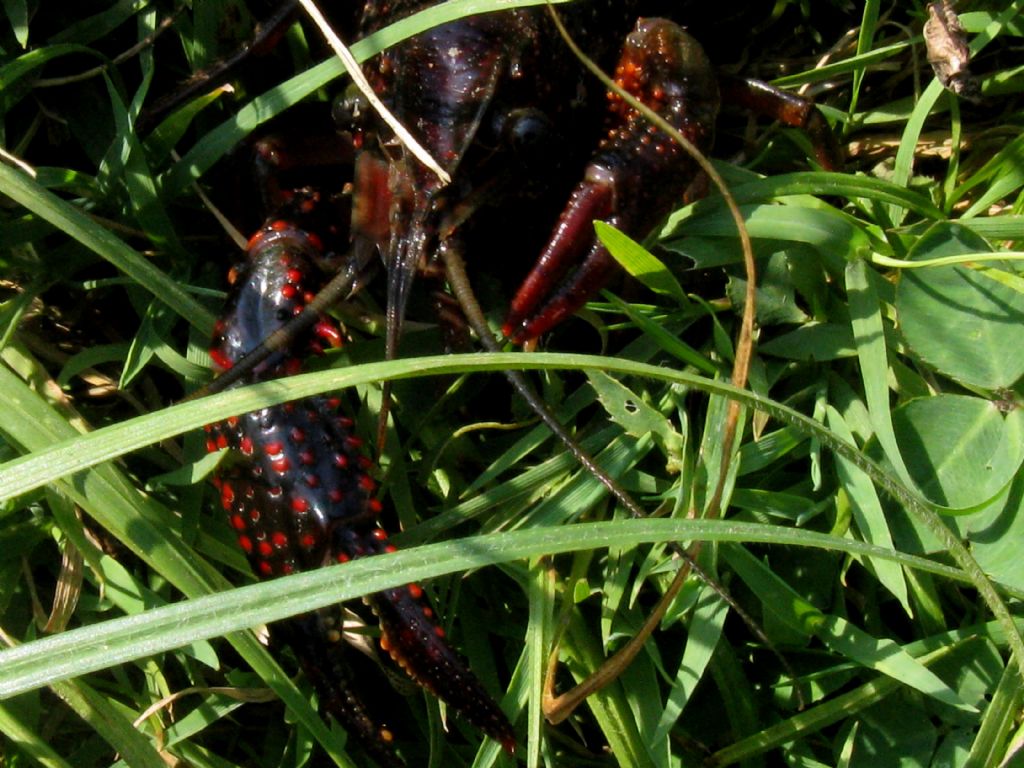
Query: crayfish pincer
{"x": 637, "y": 175}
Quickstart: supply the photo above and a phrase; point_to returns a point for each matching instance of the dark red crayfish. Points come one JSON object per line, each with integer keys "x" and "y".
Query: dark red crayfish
{"x": 498, "y": 102}
{"x": 298, "y": 494}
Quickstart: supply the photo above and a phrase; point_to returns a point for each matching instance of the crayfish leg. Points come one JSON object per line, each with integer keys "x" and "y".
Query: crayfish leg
{"x": 316, "y": 641}
{"x": 760, "y": 98}
{"x": 417, "y": 644}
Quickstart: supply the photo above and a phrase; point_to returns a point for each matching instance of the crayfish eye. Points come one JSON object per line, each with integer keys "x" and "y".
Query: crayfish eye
{"x": 348, "y": 109}
{"x": 528, "y": 130}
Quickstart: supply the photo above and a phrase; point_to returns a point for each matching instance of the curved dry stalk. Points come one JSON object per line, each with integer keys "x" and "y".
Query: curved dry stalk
{"x": 558, "y": 708}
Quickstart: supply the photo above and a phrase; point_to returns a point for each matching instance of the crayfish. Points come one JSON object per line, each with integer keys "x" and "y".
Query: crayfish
{"x": 479, "y": 94}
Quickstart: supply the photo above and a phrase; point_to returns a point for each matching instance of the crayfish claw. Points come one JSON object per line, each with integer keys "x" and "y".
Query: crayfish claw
{"x": 638, "y": 174}
{"x": 531, "y": 313}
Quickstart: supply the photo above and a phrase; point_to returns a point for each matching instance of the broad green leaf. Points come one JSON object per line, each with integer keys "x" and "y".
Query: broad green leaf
{"x": 960, "y": 320}
{"x": 942, "y": 436}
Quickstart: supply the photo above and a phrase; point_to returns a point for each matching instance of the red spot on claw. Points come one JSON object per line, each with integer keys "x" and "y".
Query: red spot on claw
{"x": 245, "y": 543}
{"x": 278, "y": 539}
{"x": 265, "y": 548}
{"x": 299, "y": 504}
{"x": 273, "y": 448}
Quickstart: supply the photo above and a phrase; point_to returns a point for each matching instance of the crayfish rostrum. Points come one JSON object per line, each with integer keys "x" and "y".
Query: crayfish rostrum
{"x": 517, "y": 124}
